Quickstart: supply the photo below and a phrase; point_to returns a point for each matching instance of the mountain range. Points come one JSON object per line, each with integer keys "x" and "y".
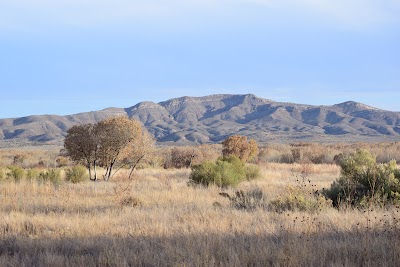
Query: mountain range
{"x": 210, "y": 119}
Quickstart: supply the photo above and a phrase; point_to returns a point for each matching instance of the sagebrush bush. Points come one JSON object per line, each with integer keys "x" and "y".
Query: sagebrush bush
{"x": 365, "y": 182}
{"x": 226, "y": 171}
{"x": 15, "y": 173}
{"x": 32, "y": 174}
{"x": 51, "y": 175}
{"x": 249, "y": 200}
{"x": 296, "y": 199}
{"x": 252, "y": 172}
{"x": 76, "y": 174}
{"x": 2, "y": 174}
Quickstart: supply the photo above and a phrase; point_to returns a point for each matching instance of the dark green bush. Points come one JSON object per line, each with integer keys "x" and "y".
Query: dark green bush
{"x": 76, "y": 174}
{"x": 365, "y": 182}
{"x": 226, "y": 171}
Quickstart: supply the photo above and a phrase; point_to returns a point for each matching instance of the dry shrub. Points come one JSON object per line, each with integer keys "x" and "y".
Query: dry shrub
{"x": 246, "y": 200}
{"x": 303, "y": 195}
{"x": 130, "y": 201}
{"x": 325, "y": 153}
{"x": 62, "y": 161}
{"x": 252, "y": 172}
{"x": 123, "y": 194}
{"x": 186, "y": 156}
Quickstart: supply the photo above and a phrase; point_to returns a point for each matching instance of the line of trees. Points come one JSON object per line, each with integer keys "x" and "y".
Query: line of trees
{"x": 112, "y": 144}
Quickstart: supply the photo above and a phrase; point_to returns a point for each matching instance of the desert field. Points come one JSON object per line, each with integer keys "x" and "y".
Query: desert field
{"x": 157, "y": 219}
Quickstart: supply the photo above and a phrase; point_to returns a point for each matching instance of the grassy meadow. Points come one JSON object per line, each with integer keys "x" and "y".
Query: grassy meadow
{"x": 156, "y": 219}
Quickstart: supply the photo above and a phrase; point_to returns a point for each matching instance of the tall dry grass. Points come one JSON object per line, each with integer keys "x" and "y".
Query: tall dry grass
{"x": 158, "y": 220}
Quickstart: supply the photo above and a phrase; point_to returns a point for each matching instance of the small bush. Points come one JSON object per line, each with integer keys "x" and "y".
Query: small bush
{"x": 181, "y": 158}
{"x": 19, "y": 160}
{"x": 364, "y": 182}
{"x": 296, "y": 199}
{"x": 130, "y": 201}
{"x": 252, "y": 172}
{"x": 51, "y": 175}
{"x": 250, "y": 200}
{"x": 62, "y": 161}
{"x": 2, "y": 175}
{"x": 227, "y": 171}
{"x": 32, "y": 174}
{"x": 15, "y": 173}
{"x": 76, "y": 174}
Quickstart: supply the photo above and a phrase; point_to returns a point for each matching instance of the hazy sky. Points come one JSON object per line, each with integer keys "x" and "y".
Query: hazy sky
{"x": 69, "y": 56}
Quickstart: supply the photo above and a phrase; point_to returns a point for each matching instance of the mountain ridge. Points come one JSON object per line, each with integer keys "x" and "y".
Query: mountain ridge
{"x": 210, "y": 119}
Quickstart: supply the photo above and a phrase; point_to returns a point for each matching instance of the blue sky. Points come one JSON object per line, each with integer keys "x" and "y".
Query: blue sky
{"x": 70, "y": 56}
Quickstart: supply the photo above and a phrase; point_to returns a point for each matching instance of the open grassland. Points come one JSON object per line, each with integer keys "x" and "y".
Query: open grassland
{"x": 158, "y": 220}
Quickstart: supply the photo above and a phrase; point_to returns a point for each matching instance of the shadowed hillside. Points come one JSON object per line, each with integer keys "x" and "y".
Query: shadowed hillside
{"x": 212, "y": 118}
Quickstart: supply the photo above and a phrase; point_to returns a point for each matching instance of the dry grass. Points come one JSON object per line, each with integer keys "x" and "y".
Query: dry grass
{"x": 157, "y": 220}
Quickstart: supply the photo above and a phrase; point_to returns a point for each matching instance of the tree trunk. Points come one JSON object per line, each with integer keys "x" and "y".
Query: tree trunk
{"x": 105, "y": 174}
{"x": 90, "y": 172}
{"x": 134, "y": 166}
{"x": 95, "y": 172}
{"x": 108, "y": 172}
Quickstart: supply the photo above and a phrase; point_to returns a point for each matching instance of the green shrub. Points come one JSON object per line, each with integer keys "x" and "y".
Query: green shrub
{"x": 32, "y": 174}
{"x": 15, "y": 173}
{"x": 2, "y": 175}
{"x": 226, "y": 171}
{"x": 51, "y": 175}
{"x": 203, "y": 173}
{"x": 76, "y": 174}
{"x": 365, "y": 182}
{"x": 297, "y": 199}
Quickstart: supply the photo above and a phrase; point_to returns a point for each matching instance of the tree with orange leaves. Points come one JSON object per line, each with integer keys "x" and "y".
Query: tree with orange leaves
{"x": 238, "y": 146}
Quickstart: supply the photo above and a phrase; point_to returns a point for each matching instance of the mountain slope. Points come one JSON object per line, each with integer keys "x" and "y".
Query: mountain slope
{"x": 213, "y": 118}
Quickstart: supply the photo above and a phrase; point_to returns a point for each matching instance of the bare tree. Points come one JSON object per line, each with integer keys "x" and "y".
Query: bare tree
{"x": 181, "y": 157}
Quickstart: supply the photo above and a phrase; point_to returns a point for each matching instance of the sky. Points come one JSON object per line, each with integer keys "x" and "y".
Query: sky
{"x": 70, "y": 56}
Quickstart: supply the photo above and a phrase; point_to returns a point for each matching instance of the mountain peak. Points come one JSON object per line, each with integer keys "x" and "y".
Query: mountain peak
{"x": 210, "y": 119}
{"x": 351, "y": 106}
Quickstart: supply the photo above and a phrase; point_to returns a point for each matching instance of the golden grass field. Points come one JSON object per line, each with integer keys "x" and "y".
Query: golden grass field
{"x": 158, "y": 220}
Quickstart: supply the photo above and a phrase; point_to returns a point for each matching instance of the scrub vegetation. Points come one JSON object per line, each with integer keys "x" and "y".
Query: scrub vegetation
{"x": 340, "y": 211}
